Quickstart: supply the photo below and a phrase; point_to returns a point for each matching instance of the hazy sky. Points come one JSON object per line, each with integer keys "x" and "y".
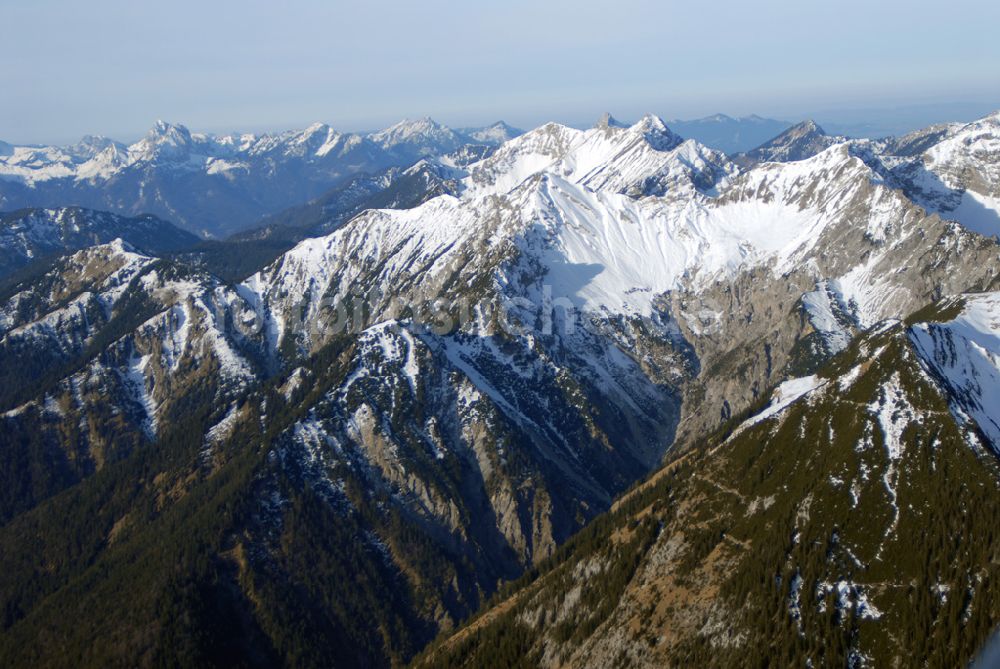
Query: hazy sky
{"x": 112, "y": 67}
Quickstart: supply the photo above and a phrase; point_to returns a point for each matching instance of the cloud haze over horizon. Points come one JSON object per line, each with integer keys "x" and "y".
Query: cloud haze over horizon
{"x": 113, "y": 67}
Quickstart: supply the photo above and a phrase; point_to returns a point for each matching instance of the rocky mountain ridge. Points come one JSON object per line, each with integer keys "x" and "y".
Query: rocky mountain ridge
{"x": 30, "y": 234}
{"x": 829, "y": 526}
{"x": 445, "y": 394}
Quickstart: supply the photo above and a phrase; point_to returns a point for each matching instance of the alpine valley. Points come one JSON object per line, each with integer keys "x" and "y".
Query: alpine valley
{"x": 462, "y": 398}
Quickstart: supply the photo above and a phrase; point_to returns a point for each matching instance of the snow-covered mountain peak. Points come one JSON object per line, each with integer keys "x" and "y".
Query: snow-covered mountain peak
{"x": 652, "y": 122}
{"x": 317, "y": 132}
{"x": 953, "y": 170}
{"x": 649, "y": 126}
{"x": 90, "y": 146}
{"x": 315, "y": 127}
{"x": 836, "y": 169}
{"x": 522, "y": 157}
{"x": 981, "y": 138}
{"x": 990, "y": 122}
{"x": 163, "y": 132}
{"x": 605, "y": 250}
{"x": 642, "y": 159}
{"x": 119, "y": 246}
{"x": 164, "y": 140}
{"x": 806, "y": 127}
{"x": 560, "y": 205}
{"x": 423, "y": 124}
{"x": 417, "y": 138}
{"x": 802, "y": 128}
{"x": 317, "y": 140}
{"x": 117, "y": 252}
{"x": 408, "y": 129}
{"x": 494, "y": 134}
{"x": 656, "y": 133}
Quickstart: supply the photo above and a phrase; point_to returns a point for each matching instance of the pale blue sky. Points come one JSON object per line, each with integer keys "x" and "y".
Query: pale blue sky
{"x": 112, "y": 67}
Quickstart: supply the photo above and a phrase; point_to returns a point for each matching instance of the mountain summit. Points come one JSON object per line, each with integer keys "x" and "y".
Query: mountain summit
{"x": 609, "y": 121}
{"x": 799, "y": 142}
{"x": 415, "y": 139}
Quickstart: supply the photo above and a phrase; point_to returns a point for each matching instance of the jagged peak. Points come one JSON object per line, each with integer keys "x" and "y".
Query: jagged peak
{"x": 162, "y": 128}
{"x": 648, "y": 123}
{"x": 609, "y": 121}
{"x": 119, "y": 245}
{"x": 90, "y": 146}
{"x": 313, "y": 128}
{"x": 317, "y": 133}
{"x": 166, "y": 136}
{"x": 656, "y": 133}
{"x": 551, "y": 138}
{"x": 651, "y": 122}
{"x": 808, "y": 125}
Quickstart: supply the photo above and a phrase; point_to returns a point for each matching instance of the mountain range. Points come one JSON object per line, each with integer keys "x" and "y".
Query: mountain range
{"x": 30, "y": 235}
{"x": 632, "y": 399}
{"x": 217, "y": 185}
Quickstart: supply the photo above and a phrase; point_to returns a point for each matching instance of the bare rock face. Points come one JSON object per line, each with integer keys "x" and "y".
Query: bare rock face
{"x": 759, "y": 328}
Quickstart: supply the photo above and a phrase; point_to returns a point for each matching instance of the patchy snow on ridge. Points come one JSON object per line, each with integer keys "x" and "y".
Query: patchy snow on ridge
{"x": 849, "y": 598}
{"x": 224, "y": 427}
{"x": 786, "y": 393}
{"x": 963, "y": 354}
{"x": 134, "y": 377}
{"x": 957, "y": 175}
{"x": 826, "y": 314}
{"x": 894, "y": 413}
{"x": 783, "y": 396}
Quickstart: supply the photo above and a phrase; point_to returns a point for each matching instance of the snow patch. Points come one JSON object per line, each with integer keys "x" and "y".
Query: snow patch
{"x": 963, "y": 356}
{"x": 785, "y": 394}
{"x": 848, "y": 598}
